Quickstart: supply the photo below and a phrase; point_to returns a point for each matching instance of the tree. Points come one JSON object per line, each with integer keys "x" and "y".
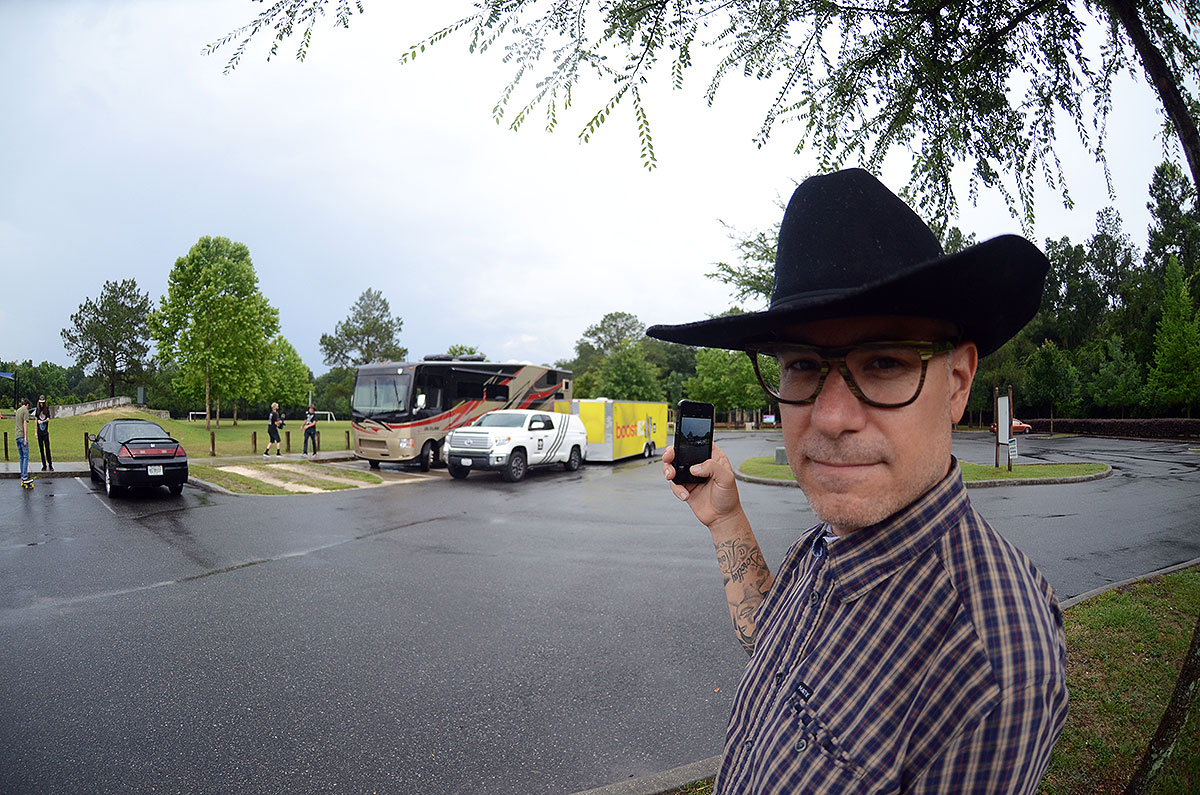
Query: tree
{"x": 465, "y": 350}
{"x": 754, "y": 277}
{"x": 286, "y": 379}
{"x": 110, "y": 336}
{"x": 1110, "y": 257}
{"x": 332, "y": 391}
{"x": 626, "y": 375}
{"x": 984, "y": 83}
{"x": 214, "y": 323}
{"x": 367, "y": 335}
{"x": 614, "y": 331}
{"x": 726, "y": 380}
{"x": 1175, "y": 379}
{"x": 1118, "y": 380}
{"x": 1050, "y": 378}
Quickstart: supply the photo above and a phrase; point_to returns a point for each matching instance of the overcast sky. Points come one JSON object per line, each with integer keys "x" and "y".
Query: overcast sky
{"x": 122, "y": 145}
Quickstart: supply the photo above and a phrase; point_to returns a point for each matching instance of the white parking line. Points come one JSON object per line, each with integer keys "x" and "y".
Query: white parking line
{"x": 97, "y": 496}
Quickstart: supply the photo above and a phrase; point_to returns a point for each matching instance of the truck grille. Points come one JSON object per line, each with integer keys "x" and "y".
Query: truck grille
{"x": 470, "y": 441}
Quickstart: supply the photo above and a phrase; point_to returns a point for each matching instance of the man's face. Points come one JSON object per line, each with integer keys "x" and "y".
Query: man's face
{"x": 859, "y": 464}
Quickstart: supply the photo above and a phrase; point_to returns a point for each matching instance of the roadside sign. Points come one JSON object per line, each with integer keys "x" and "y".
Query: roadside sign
{"x": 1012, "y": 450}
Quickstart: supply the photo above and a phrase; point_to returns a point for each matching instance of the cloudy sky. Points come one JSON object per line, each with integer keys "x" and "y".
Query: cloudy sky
{"x": 122, "y": 144}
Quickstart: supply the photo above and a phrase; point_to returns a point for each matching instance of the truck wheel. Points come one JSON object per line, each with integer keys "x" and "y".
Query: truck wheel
{"x": 425, "y": 462}
{"x": 515, "y": 469}
{"x": 373, "y": 463}
{"x": 572, "y": 463}
{"x": 457, "y": 472}
{"x": 176, "y": 489}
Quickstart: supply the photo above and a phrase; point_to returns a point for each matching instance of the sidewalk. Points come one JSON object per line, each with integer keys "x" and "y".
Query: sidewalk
{"x": 70, "y": 469}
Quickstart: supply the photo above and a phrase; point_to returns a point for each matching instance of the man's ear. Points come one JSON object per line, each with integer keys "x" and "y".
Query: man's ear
{"x": 964, "y": 361}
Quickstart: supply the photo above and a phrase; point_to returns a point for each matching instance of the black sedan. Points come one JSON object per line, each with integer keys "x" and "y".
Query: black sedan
{"x": 139, "y": 453}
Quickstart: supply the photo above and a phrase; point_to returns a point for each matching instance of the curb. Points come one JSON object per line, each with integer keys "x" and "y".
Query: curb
{"x": 204, "y": 485}
{"x": 1112, "y": 586}
{"x": 662, "y": 783}
{"x": 974, "y": 484}
{"x": 38, "y": 475}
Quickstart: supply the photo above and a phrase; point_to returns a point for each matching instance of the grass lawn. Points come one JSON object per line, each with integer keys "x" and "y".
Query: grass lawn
{"x": 315, "y": 474}
{"x": 765, "y": 467}
{"x": 66, "y": 434}
{"x": 1124, "y": 651}
{"x": 232, "y": 481}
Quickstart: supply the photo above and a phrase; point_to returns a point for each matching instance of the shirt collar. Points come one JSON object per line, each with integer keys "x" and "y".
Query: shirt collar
{"x": 867, "y": 557}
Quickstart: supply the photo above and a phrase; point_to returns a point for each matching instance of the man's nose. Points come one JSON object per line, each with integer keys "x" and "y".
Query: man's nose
{"x": 836, "y": 409}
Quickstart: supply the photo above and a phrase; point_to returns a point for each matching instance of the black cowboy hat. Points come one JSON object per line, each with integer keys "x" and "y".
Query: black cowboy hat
{"x": 850, "y": 247}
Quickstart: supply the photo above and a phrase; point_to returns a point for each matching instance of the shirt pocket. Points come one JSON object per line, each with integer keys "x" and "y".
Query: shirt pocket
{"x": 815, "y": 743}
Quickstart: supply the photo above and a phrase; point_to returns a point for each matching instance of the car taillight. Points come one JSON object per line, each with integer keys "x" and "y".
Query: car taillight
{"x": 124, "y": 453}
{"x": 179, "y": 451}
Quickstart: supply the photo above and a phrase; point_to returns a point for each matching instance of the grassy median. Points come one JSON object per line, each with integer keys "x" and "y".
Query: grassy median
{"x": 1124, "y": 651}
{"x": 66, "y": 434}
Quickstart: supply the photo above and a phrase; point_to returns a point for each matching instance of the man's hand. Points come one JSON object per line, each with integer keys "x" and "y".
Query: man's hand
{"x": 713, "y": 501}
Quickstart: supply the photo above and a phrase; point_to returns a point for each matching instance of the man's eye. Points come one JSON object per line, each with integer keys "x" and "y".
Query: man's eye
{"x": 802, "y": 366}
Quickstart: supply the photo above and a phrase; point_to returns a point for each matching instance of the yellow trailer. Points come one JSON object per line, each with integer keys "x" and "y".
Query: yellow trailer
{"x": 620, "y": 428}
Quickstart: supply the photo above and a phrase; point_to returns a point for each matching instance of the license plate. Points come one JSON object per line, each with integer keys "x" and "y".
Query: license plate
{"x": 154, "y": 471}
{"x": 466, "y": 462}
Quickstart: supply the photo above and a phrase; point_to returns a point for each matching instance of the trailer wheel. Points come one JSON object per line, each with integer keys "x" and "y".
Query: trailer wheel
{"x": 516, "y": 468}
{"x": 573, "y": 463}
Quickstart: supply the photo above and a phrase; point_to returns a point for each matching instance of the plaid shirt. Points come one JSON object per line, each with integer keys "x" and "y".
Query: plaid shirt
{"x": 923, "y": 654}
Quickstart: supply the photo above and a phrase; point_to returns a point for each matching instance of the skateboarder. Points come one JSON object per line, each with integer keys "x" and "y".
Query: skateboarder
{"x": 22, "y": 421}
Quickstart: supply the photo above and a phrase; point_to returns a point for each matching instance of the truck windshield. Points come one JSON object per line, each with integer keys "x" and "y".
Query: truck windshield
{"x": 378, "y": 394}
{"x": 498, "y": 419}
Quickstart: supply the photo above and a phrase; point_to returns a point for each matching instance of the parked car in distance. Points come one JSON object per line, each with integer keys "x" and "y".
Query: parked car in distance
{"x": 1017, "y": 427}
{"x": 136, "y": 453}
{"x": 513, "y": 440}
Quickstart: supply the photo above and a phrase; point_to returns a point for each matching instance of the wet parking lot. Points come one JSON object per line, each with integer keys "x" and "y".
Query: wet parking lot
{"x": 547, "y": 636}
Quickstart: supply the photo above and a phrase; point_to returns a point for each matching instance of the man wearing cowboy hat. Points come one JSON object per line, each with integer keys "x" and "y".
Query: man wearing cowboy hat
{"x": 903, "y": 645}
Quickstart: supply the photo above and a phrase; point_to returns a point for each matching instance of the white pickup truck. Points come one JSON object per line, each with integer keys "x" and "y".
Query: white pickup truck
{"x": 513, "y": 440}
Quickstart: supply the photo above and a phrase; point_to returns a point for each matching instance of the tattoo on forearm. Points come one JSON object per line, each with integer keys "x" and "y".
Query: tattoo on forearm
{"x": 747, "y": 580}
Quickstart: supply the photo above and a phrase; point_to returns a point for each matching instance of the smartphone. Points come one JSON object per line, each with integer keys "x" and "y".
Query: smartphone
{"x": 693, "y": 438}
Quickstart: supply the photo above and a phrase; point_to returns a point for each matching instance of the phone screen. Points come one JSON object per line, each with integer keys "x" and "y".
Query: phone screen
{"x": 693, "y": 439}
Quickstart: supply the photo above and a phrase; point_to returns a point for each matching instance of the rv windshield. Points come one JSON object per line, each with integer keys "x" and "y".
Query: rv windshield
{"x": 378, "y": 394}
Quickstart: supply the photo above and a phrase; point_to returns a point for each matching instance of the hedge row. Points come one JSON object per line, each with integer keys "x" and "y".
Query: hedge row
{"x": 1157, "y": 428}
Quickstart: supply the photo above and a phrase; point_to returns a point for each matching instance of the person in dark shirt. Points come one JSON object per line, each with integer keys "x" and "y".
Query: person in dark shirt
{"x": 274, "y": 423}
{"x": 42, "y": 417}
{"x": 310, "y": 430}
{"x": 903, "y": 645}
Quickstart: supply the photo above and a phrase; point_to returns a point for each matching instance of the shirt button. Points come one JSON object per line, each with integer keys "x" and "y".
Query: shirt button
{"x": 779, "y": 679}
{"x": 748, "y": 744}
{"x": 815, "y": 598}
{"x": 802, "y": 744}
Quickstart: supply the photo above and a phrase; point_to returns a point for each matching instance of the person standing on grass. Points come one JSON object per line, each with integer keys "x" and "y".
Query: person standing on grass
{"x": 903, "y": 645}
{"x": 42, "y": 416}
{"x": 310, "y": 430}
{"x": 274, "y": 423}
{"x": 22, "y": 421}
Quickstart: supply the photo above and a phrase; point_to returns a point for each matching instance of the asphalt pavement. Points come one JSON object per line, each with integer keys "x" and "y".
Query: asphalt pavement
{"x": 554, "y": 635}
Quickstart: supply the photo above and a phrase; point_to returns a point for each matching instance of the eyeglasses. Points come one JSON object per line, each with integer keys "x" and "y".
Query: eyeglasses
{"x": 882, "y": 374}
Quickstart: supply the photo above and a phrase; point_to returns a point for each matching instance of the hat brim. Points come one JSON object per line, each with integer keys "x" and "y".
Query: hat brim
{"x": 990, "y": 291}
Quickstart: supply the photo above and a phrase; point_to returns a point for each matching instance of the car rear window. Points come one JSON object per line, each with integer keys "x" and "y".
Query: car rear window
{"x": 138, "y": 430}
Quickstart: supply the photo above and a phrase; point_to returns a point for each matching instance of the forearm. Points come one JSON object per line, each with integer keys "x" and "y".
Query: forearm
{"x": 745, "y": 574}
